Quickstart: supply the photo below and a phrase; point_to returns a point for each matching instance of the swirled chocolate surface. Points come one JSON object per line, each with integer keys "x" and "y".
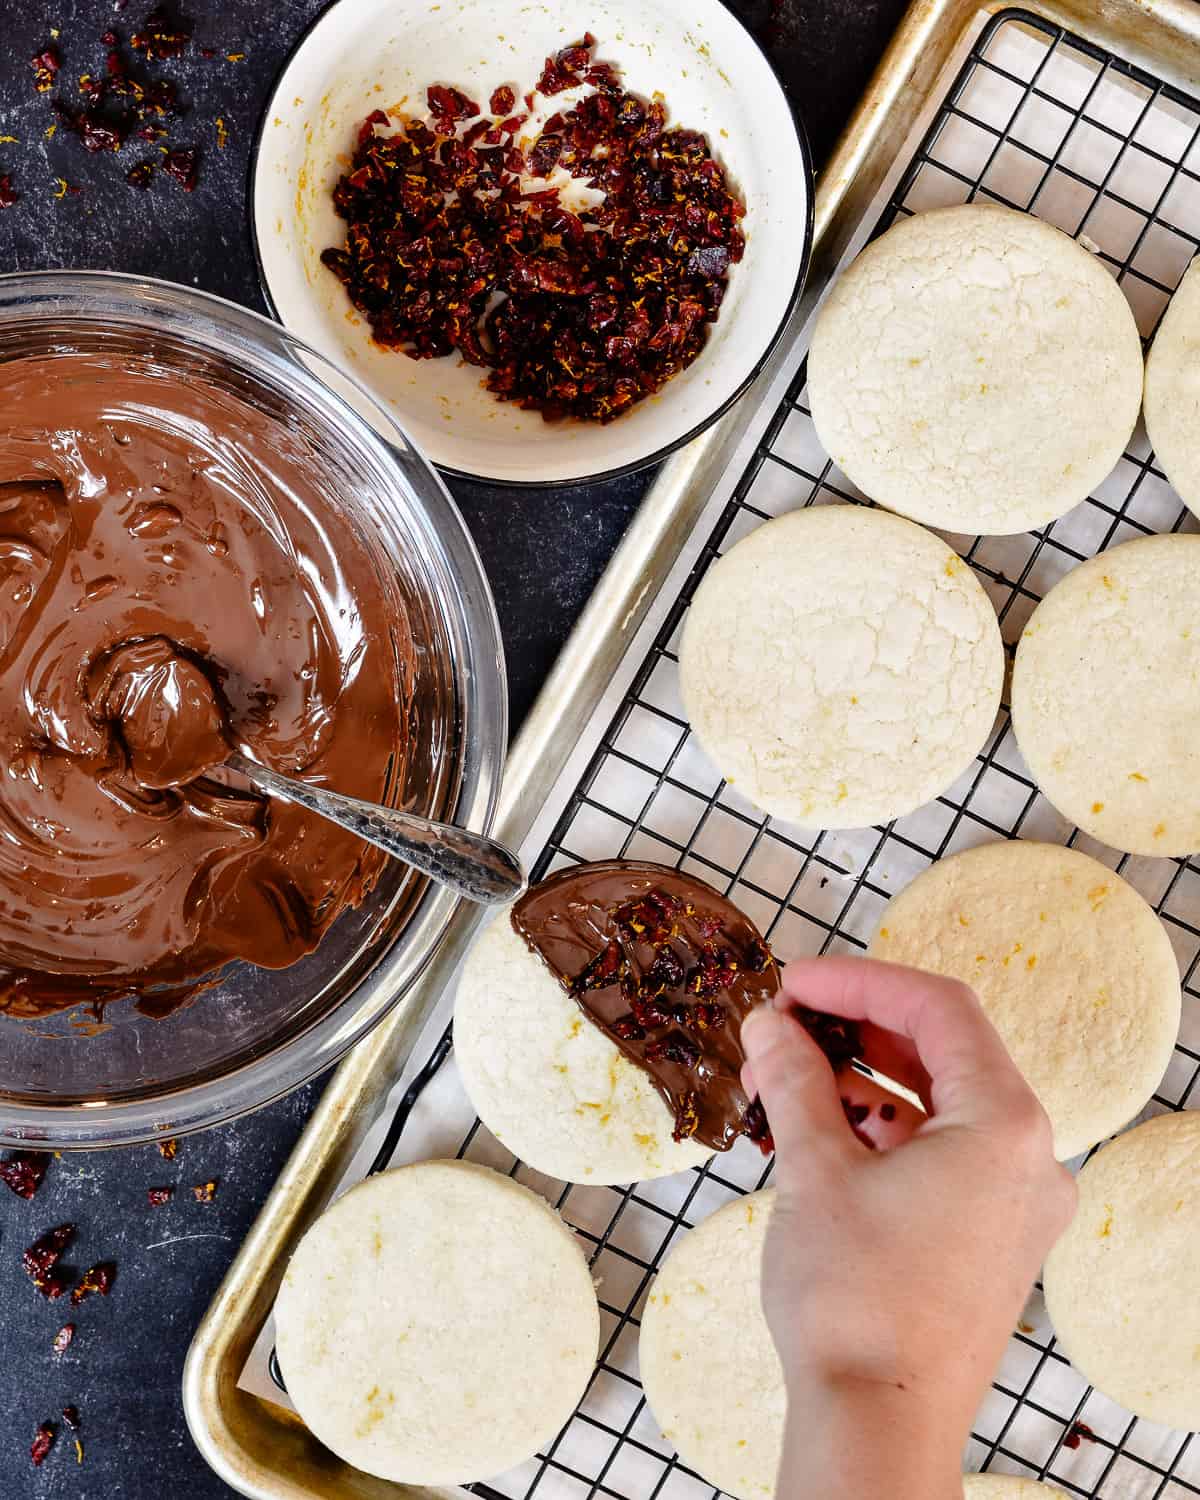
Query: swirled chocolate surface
{"x": 176, "y": 580}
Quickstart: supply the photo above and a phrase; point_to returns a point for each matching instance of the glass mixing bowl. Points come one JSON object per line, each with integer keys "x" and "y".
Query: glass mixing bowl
{"x": 81, "y": 1079}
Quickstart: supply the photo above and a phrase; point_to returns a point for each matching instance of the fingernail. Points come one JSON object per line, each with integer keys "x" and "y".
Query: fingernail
{"x": 758, "y": 1029}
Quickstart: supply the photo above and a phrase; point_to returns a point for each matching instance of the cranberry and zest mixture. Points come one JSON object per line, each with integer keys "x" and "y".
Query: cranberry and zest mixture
{"x": 578, "y": 314}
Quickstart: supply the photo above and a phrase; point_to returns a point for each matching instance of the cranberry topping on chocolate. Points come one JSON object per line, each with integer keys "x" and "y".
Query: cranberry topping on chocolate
{"x": 668, "y": 968}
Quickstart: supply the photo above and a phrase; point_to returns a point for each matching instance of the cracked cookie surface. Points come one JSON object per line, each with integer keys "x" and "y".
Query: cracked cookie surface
{"x": 1106, "y": 695}
{"x": 975, "y": 369}
{"x": 841, "y": 666}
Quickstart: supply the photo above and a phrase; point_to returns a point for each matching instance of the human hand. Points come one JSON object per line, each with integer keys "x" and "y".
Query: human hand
{"x": 893, "y": 1278}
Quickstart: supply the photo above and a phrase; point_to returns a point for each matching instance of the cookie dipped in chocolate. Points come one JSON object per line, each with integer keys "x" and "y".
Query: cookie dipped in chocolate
{"x": 176, "y": 580}
{"x": 668, "y": 968}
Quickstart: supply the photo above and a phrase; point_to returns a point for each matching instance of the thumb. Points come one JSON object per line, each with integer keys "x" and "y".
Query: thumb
{"x": 797, "y": 1087}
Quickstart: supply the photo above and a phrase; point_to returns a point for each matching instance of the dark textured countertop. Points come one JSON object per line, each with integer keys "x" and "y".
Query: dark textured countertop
{"x": 543, "y": 552}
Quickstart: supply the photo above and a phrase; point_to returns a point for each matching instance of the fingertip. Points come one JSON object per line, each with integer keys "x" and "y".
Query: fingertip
{"x": 794, "y": 1080}
{"x": 761, "y": 1030}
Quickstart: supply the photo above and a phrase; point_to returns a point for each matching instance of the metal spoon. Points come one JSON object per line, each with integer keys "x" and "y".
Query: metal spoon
{"x": 476, "y": 867}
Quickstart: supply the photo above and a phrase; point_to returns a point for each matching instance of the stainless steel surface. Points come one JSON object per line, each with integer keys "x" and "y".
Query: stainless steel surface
{"x": 470, "y": 864}
{"x": 258, "y": 1448}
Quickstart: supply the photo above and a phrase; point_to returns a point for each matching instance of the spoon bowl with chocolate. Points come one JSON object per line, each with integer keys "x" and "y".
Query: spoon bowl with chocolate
{"x": 205, "y": 550}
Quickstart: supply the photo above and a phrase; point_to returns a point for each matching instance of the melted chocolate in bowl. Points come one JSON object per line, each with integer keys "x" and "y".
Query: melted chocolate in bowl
{"x": 176, "y": 582}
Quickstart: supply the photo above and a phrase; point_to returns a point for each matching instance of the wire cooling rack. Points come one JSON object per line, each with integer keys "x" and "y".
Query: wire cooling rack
{"x": 1042, "y": 121}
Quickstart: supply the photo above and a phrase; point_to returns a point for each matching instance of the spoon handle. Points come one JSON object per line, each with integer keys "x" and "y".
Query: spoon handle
{"x": 479, "y": 868}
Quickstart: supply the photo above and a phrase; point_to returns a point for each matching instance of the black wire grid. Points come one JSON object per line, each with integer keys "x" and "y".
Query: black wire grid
{"x": 1043, "y": 121}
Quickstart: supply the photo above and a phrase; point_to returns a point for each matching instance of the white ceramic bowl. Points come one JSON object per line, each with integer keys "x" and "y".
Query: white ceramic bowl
{"x": 361, "y": 55}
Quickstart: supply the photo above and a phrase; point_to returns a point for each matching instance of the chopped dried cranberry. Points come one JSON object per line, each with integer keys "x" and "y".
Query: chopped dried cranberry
{"x": 367, "y": 129}
{"x": 544, "y": 156}
{"x": 651, "y": 1012}
{"x": 8, "y": 196}
{"x": 562, "y": 71}
{"x": 715, "y": 971}
{"x": 502, "y": 100}
{"x": 687, "y": 1118}
{"x": 140, "y": 176}
{"x": 710, "y": 261}
{"x": 649, "y": 919}
{"x": 182, "y": 164}
{"x": 840, "y": 1040}
{"x": 168, "y": 1148}
{"x": 159, "y": 1196}
{"x": 43, "y": 1441}
{"x": 160, "y": 37}
{"x": 99, "y": 134}
{"x": 70, "y": 1415}
{"x": 447, "y": 105}
{"x": 757, "y": 1128}
{"x": 674, "y": 1048}
{"x": 43, "y": 1255}
{"x": 45, "y": 68}
{"x": 627, "y": 1029}
{"x": 706, "y": 1015}
{"x": 758, "y": 956}
{"x": 602, "y": 971}
{"x": 63, "y": 1337}
{"x": 109, "y": 38}
{"x": 1076, "y": 1433}
{"x": 666, "y": 972}
{"x": 23, "y": 1173}
{"x": 98, "y": 1279}
{"x": 160, "y": 98}
{"x": 205, "y": 1192}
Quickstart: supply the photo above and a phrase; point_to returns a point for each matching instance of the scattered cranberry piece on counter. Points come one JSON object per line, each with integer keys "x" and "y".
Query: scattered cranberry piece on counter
{"x": 43, "y": 1441}
{"x": 98, "y": 1279}
{"x": 23, "y": 1172}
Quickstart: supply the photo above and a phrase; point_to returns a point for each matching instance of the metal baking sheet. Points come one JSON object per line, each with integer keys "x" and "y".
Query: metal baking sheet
{"x": 1084, "y": 114}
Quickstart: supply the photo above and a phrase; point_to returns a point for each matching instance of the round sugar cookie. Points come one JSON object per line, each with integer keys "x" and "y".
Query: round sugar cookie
{"x": 1106, "y": 695}
{"x": 1005, "y": 1487}
{"x": 1071, "y": 964}
{"x": 975, "y": 369}
{"x": 1172, "y": 397}
{"x": 841, "y": 666}
{"x": 702, "y": 1320}
{"x": 1123, "y": 1284}
{"x": 437, "y": 1325}
{"x": 548, "y": 1084}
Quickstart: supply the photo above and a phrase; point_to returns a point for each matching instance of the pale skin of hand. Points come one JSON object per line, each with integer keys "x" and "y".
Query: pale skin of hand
{"x": 893, "y": 1278}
